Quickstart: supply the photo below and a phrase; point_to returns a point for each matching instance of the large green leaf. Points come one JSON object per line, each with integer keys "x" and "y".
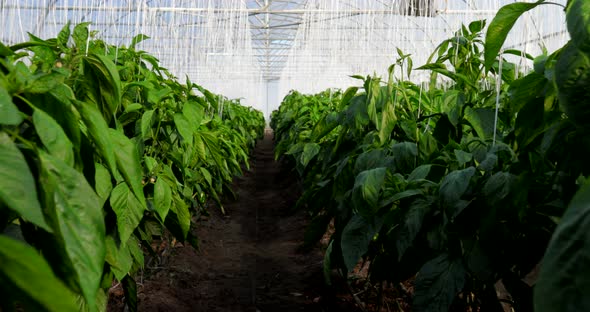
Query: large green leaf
{"x": 310, "y": 150}
{"x": 412, "y": 225}
{"x": 80, "y": 35}
{"x": 27, "y": 277}
{"x": 98, "y": 131}
{"x": 437, "y": 284}
{"x": 194, "y": 114}
{"x": 572, "y": 77}
{"x": 53, "y": 137}
{"x": 162, "y": 198}
{"x": 9, "y": 113}
{"x": 365, "y": 193}
{"x": 500, "y": 27}
{"x": 454, "y": 186}
{"x": 79, "y": 216}
{"x": 178, "y": 220}
{"x": 482, "y": 121}
{"x": 17, "y": 187}
{"x": 388, "y": 121}
{"x": 563, "y": 283}
{"x": 128, "y": 209}
{"x": 146, "y": 124}
{"x": 184, "y": 128}
{"x": 102, "y": 182}
{"x": 356, "y": 236}
{"x": 578, "y": 23}
{"x": 119, "y": 257}
{"x": 109, "y": 89}
{"x": 128, "y": 162}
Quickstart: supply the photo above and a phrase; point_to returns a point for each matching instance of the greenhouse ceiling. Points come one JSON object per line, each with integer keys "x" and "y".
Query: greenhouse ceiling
{"x": 239, "y": 47}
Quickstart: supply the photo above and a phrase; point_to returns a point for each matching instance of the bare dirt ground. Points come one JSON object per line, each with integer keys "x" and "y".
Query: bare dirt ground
{"x": 249, "y": 258}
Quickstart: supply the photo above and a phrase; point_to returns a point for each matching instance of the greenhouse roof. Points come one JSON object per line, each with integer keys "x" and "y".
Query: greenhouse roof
{"x": 238, "y": 47}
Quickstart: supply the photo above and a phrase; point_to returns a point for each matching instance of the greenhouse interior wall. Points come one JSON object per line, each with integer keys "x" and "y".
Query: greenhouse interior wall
{"x": 258, "y": 51}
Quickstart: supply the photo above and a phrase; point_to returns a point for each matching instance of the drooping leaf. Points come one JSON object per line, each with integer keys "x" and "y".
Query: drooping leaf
{"x": 146, "y": 124}
{"x": 128, "y": 209}
{"x": 572, "y": 75}
{"x": 184, "y": 128}
{"x": 578, "y": 23}
{"x": 27, "y": 277}
{"x": 180, "y": 209}
{"x": 119, "y": 257}
{"x": 162, "y": 198}
{"x": 365, "y": 193}
{"x": 80, "y": 220}
{"x": 563, "y": 284}
{"x": 462, "y": 156}
{"x": 454, "y": 185}
{"x": 412, "y": 225}
{"x": 130, "y": 291}
{"x": 437, "y": 284}
{"x": 128, "y": 163}
{"x": 421, "y": 172}
{"x": 327, "y": 264}
{"x": 102, "y": 182}
{"x": 53, "y": 137}
{"x": 356, "y": 236}
{"x": 310, "y": 150}
{"x": 9, "y": 113}
{"x": 316, "y": 229}
{"x": 99, "y": 132}
{"x": 500, "y": 27}
{"x": 17, "y": 189}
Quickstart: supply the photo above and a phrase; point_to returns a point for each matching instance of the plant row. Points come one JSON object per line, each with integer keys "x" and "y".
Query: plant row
{"x": 460, "y": 182}
{"x": 101, "y": 150}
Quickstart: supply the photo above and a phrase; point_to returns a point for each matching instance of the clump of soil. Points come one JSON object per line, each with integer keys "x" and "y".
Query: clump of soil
{"x": 249, "y": 259}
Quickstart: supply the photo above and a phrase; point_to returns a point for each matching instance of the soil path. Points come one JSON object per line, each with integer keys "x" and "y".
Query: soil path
{"x": 248, "y": 259}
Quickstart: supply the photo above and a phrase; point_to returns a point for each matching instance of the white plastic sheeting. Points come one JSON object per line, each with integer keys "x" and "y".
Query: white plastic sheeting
{"x": 258, "y": 50}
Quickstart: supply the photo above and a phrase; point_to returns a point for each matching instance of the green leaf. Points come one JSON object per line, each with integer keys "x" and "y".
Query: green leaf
{"x": 44, "y": 83}
{"x": 53, "y": 137}
{"x": 80, "y": 35}
{"x": 194, "y": 114}
{"x": 102, "y": 183}
{"x": 183, "y": 216}
{"x": 27, "y": 277}
{"x": 412, "y": 224}
{"x": 462, "y": 157}
{"x": 365, "y": 193}
{"x": 572, "y": 76}
{"x": 184, "y": 128}
{"x": 500, "y": 27}
{"x": 9, "y": 113}
{"x": 388, "y": 121}
{"x": 563, "y": 282}
{"x": 17, "y": 189}
{"x": 146, "y": 124}
{"x": 162, "y": 198}
{"x": 454, "y": 185}
{"x": 498, "y": 186}
{"x": 310, "y": 150}
{"x": 98, "y": 131}
{"x": 80, "y": 220}
{"x": 128, "y": 209}
{"x": 119, "y": 257}
{"x": 130, "y": 291}
{"x": 405, "y": 154}
{"x": 578, "y": 23}
{"x": 438, "y": 283}
{"x": 482, "y": 121}
{"x": 109, "y": 89}
{"x": 137, "y": 39}
{"x": 128, "y": 163}
{"x": 64, "y": 35}
{"x": 356, "y": 236}
{"x": 421, "y": 172}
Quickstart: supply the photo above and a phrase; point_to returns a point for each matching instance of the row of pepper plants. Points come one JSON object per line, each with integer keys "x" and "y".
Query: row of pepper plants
{"x": 101, "y": 149}
{"x": 460, "y": 182}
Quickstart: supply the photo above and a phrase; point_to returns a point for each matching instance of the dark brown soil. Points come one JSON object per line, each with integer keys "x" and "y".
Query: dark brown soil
{"x": 249, "y": 258}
